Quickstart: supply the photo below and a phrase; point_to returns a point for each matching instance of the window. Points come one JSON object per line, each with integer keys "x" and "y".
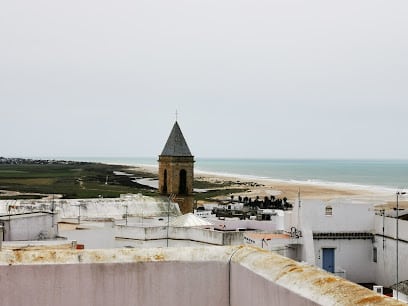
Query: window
{"x": 374, "y": 254}
{"x": 328, "y": 211}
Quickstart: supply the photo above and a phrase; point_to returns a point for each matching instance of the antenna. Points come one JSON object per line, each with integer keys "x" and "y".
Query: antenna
{"x": 176, "y": 114}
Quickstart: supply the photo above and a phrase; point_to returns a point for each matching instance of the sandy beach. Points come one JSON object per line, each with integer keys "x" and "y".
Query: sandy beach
{"x": 384, "y": 197}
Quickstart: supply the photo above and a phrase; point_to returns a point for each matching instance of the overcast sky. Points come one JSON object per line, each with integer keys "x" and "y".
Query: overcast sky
{"x": 267, "y": 79}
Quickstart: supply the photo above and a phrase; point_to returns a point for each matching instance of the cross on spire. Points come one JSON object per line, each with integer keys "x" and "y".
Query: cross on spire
{"x": 176, "y": 114}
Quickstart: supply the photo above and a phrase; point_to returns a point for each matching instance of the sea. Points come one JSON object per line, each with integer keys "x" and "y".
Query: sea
{"x": 386, "y": 174}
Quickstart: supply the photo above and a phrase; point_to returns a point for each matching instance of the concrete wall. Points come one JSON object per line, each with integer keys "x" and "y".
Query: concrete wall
{"x": 159, "y": 243}
{"x": 30, "y": 227}
{"x": 260, "y": 292}
{"x": 276, "y": 223}
{"x": 144, "y": 283}
{"x": 92, "y": 238}
{"x": 180, "y": 233}
{"x": 137, "y": 205}
{"x": 219, "y": 276}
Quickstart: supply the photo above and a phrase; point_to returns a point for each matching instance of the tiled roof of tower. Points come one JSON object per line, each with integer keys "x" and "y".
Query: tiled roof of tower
{"x": 176, "y": 145}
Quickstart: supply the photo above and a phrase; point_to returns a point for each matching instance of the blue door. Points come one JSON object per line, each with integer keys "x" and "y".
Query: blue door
{"x": 328, "y": 259}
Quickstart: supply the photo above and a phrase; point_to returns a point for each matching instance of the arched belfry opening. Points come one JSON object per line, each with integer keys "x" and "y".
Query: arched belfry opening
{"x": 176, "y": 170}
{"x": 165, "y": 181}
{"x": 183, "y": 182}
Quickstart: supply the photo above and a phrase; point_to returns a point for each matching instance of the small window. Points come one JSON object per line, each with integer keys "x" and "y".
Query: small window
{"x": 374, "y": 254}
{"x": 328, "y": 211}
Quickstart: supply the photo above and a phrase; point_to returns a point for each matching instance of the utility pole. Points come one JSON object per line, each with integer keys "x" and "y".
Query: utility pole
{"x": 397, "y": 239}
{"x": 171, "y": 198}
{"x": 126, "y": 214}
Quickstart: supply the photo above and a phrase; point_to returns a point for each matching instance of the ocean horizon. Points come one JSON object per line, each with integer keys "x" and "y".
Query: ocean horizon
{"x": 370, "y": 173}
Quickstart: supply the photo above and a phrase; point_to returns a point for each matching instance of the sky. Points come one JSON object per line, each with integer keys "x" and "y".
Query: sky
{"x": 249, "y": 79}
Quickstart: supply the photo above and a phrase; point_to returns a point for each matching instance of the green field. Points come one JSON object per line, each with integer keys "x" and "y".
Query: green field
{"x": 86, "y": 180}
{"x": 73, "y": 180}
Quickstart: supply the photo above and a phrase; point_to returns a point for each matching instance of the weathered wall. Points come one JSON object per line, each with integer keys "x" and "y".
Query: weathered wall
{"x": 30, "y": 227}
{"x": 159, "y": 243}
{"x": 140, "y": 283}
{"x": 181, "y": 233}
{"x": 137, "y": 205}
{"x": 276, "y": 223}
{"x": 219, "y": 276}
{"x": 147, "y": 237}
{"x": 264, "y": 279}
{"x": 255, "y": 290}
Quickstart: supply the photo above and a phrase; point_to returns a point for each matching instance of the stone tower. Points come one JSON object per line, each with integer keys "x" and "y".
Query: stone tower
{"x": 176, "y": 170}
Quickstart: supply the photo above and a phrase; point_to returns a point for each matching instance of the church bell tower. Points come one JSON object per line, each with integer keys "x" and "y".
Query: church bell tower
{"x": 176, "y": 170}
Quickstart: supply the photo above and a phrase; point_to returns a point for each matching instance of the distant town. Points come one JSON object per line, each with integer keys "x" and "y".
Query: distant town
{"x": 29, "y": 161}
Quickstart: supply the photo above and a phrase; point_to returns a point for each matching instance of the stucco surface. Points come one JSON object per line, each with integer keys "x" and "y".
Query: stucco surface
{"x": 171, "y": 276}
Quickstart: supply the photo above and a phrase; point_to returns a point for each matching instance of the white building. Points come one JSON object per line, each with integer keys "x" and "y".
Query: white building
{"x": 354, "y": 240}
{"x": 343, "y": 235}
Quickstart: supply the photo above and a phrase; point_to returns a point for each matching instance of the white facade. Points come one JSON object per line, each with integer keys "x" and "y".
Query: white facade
{"x": 32, "y": 226}
{"x": 363, "y": 244}
{"x": 353, "y": 258}
{"x": 386, "y": 246}
{"x": 345, "y": 229}
{"x": 346, "y": 216}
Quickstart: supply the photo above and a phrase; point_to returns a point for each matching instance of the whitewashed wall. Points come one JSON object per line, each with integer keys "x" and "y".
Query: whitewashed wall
{"x": 122, "y": 236}
{"x": 386, "y": 266}
{"x": 390, "y": 227}
{"x": 355, "y": 256}
{"x": 92, "y": 238}
{"x": 137, "y": 205}
{"x": 348, "y": 216}
{"x": 30, "y": 227}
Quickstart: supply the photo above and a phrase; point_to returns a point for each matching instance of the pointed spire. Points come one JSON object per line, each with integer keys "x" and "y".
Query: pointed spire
{"x": 176, "y": 145}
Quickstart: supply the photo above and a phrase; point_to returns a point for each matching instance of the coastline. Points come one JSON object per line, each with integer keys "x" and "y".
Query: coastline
{"x": 261, "y": 187}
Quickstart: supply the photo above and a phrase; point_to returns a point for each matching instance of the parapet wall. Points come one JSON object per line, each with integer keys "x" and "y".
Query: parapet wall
{"x": 180, "y": 233}
{"x": 219, "y": 276}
